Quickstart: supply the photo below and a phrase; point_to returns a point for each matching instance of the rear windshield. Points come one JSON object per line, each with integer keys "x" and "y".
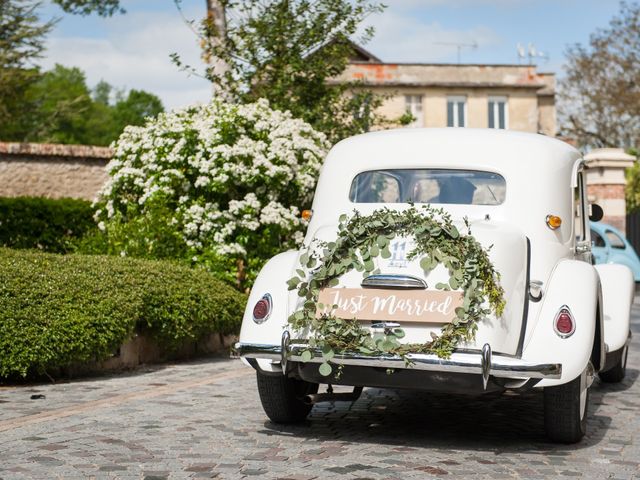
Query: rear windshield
{"x": 466, "y": 187}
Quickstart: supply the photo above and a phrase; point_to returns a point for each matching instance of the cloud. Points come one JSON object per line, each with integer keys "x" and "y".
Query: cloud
{"x": 402, "y": 37}
{"x": 135, "y": 54}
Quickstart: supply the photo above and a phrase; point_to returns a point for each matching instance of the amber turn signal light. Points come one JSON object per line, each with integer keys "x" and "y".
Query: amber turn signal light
{"x": 553, "y": 222}
{"x": 307, "y": 214}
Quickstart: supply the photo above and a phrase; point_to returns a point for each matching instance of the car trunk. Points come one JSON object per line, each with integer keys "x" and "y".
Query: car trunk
{"x": 508, "y": 251}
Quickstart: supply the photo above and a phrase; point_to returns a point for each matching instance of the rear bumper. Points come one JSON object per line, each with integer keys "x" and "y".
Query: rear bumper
{"x": 483, "y": 363}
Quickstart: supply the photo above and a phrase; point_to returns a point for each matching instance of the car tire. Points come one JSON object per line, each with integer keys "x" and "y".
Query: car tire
{"x": 565, "y": 410}
{"x": 618, "y": 371}
{"x": 281, "y": 397}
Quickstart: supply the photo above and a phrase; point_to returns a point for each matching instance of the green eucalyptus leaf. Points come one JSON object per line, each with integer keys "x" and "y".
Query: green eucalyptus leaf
{"x": 398, "y": 332}
{"x": 306, "y": 355}
{"x": 327, "y": 356}
{"x": 325, "y": 369}
{"x": 425, "y": 263}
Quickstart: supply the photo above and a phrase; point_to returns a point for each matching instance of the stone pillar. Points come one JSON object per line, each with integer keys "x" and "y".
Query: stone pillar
{"x": 606, "y": 182}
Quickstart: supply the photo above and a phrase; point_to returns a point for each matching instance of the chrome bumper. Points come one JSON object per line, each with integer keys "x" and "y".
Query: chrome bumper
{"x": 483, "y": 363}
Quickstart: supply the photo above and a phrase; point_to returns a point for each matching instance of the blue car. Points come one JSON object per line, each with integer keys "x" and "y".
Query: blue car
{"x": 609, "y": 245}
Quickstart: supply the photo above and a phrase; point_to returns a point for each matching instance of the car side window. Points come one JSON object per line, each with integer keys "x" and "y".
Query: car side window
{"x": 596, "y": 239}
{"x": 615, "y": 240}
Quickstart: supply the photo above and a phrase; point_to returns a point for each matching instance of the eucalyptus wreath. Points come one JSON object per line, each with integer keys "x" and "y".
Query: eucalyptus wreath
{"x": 361, "y": 239}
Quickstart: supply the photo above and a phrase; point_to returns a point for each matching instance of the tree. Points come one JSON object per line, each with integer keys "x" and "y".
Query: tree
{"x": 135, "y": 108}
{"x": 632, "y": 188}
{"x": 218, "y": 185}
{"x": 21, "y": 42}
{"x": 104, "y": 8}
{"x": 63, "y": 104}
{"x": 600, "y": 96}
{"x": 288, "y": 51}
{"x": 58, "y": 106}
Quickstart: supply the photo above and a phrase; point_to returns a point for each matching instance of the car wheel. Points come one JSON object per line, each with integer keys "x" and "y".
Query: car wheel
{"x": 565, "y": 409}
{"x": 618, "y": 371}
{"x": 281, "y": 397}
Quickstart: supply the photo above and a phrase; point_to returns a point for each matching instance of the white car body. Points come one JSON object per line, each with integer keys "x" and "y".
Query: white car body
{"x": 521, "y": 349}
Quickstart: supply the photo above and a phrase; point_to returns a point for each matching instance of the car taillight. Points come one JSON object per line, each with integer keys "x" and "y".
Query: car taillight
{"x": 262, "y": 309}
{"x": 564, "y": 325}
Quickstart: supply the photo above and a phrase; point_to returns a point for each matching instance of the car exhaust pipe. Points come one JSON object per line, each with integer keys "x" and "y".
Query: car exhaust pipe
{"x": 314, "y": 398}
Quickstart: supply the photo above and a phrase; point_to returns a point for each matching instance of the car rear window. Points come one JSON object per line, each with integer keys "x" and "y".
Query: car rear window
{"x": 466, "y": 187}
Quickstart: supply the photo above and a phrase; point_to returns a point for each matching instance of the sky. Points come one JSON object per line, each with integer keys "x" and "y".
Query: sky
{"x": 132, "y": 50}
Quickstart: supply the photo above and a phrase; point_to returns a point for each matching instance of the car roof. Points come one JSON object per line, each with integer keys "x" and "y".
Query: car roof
{"x": 503, "y": 151}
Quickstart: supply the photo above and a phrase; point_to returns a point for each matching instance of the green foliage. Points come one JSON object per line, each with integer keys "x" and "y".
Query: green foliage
{"x": 104, "y": 8}
{"x": 599, "y": 94}
{"x": 63, "y": 104}
{"x": 219, "y": 185}
{"x": 363, "y": 238}
{"x": 57, "y": 310}
{"x": 57, "y": 107}
{"x": 288, "y": 51}
{"x": 21, "y": 42}
{"x": 632, "y": 188}
{"x": 53, "y": 225}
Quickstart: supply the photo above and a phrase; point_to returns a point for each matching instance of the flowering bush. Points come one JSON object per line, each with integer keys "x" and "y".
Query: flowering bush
{"x": 220, "y": 185}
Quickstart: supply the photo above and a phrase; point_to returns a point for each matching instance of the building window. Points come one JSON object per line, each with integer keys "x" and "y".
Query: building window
{"x": 413, "y": 105}
{"x": 456, "y": 111}
{"x": 498, "y": 112}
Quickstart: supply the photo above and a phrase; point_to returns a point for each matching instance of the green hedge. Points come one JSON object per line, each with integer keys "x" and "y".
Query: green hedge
{"x": 52, "y": 225}
{"x": 57, "y": 310}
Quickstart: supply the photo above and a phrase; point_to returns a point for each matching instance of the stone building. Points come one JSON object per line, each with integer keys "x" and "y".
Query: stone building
{"x": 516, "y": 97}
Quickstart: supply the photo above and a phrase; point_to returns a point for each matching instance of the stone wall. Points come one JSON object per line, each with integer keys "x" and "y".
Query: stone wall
{"x": 51, "y": 170}
{"x": 530, "y": 95}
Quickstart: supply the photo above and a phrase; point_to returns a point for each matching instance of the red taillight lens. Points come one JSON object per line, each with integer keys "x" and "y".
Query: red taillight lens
{"x": 564, "y": 324}
{"x": 262, "y": 309}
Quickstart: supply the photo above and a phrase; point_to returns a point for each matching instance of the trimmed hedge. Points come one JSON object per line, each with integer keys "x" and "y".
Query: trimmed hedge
{"x": 52, "y": 225}
{"x": 57, "y": 310}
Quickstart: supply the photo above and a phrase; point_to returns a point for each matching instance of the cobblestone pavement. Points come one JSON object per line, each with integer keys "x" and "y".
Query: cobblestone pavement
{"x": 203, "y": 419}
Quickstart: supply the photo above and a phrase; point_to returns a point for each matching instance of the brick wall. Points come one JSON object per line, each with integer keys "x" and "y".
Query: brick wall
{"x": 51, "y": 170}
{"x": 606, "y": 191}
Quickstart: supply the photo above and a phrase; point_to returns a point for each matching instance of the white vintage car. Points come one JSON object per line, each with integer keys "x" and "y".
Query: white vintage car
{"x": 524, "y": 196}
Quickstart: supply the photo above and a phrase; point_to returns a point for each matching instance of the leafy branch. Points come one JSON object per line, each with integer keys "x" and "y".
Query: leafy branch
{"x": 362, "y": 239}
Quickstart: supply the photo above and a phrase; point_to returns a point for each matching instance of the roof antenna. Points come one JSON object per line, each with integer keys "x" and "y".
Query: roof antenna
{"x": 460, "y": 46}
{"x": 530, "y": 52}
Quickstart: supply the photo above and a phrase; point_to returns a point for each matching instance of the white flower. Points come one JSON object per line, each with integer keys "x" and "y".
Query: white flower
{"x": 217, "y": 194}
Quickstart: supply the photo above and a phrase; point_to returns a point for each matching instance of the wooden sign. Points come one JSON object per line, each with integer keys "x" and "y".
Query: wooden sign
{"x": 426, "y": 306}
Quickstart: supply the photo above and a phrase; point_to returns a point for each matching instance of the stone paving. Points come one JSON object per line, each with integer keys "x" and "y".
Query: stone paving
{"x": 203, "y": 420}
